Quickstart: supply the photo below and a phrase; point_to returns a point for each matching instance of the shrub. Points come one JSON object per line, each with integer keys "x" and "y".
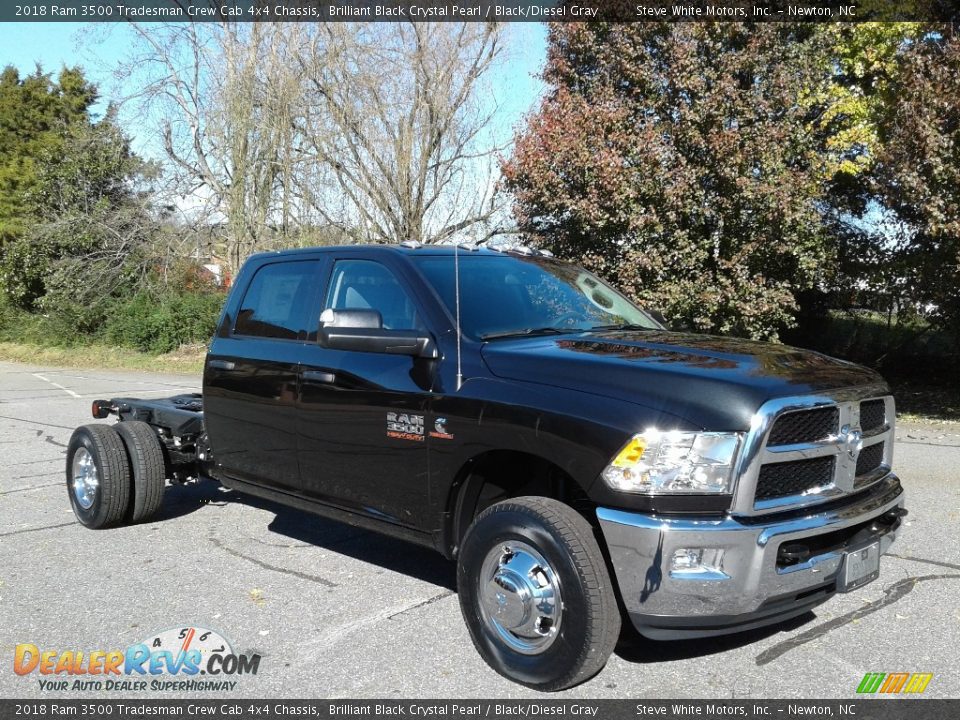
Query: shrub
{"x": 163, "y": 322}
{"x": 18, "y": 325}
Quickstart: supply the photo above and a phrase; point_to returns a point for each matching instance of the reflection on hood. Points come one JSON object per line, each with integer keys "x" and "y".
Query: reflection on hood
{"x": 715, "y": 382}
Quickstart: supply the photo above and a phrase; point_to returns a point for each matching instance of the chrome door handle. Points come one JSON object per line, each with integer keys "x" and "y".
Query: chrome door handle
{"x": 221, "y": 364}
{"x": 319, "y": 376}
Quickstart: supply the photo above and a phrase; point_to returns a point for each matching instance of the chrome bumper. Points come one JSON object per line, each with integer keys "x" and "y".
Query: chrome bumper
{"x": 749, "y": 588}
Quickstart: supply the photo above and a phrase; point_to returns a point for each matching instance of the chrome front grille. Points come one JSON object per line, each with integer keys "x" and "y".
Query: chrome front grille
{"x": 793, "y": 477}
{"x": 804, "y": 426}
{"x": 811, "y": 449}
{"x": 873, "y": 415}
{"x": 869, "y": 461}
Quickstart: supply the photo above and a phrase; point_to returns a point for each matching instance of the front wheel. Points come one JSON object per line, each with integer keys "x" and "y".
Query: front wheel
{"x": 536, "y": 595}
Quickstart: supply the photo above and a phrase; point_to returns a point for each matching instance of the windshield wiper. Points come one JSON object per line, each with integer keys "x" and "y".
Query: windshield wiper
{"x": 621, "y": 326}
{"x": 526, "y": 332}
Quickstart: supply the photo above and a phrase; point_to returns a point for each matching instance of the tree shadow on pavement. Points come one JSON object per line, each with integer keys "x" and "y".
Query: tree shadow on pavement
{"x": 385, "y": 552}
{"x": 388, "y": 553}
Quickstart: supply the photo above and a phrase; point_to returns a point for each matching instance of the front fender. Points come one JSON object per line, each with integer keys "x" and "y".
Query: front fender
{"x": 575, "y": 431}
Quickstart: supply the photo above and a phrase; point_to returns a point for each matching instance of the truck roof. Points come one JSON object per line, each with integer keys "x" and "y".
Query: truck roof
{"x": 441, "y": 250}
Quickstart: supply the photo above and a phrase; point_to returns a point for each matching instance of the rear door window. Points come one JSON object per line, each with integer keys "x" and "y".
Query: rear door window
{"x": 278, "y": 302}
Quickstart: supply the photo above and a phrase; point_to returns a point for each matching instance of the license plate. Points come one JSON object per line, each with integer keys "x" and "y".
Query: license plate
{"x": 860, "y": 567}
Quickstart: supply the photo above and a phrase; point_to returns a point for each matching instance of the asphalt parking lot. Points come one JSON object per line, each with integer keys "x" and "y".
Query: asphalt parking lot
{"x": 339, "y": 612}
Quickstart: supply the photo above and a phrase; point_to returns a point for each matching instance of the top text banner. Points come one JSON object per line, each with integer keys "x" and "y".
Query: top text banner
{"x": 476, "y": 11}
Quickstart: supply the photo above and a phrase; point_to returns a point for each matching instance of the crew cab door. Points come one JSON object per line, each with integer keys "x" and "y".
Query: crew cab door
{"x": 361, "y": 414}
{"x": 252, "y": 371}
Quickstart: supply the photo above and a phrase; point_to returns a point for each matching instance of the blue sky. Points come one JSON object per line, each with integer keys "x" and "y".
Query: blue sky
{"x": 99, "y": 48}
{"x": 54, "y": 45}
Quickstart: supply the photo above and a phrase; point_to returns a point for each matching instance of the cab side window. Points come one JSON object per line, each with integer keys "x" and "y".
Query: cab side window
{"x": 277, "y": 303}
{"x": 368, "y": 285}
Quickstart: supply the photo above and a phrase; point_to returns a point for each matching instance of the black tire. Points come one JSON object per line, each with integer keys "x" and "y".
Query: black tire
{"x": 148, "y": 468}
{"x": 110, "y": 500}
{"x": 589, "y": 622}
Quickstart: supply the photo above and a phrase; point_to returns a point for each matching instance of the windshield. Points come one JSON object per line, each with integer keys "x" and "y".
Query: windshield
{"x": 507, "y": 296}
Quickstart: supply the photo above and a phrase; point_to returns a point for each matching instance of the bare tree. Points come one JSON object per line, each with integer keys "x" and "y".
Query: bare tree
{"x": 399, "y": 134}
{"x": 223, "y": 99}
{"x": 287, "y": 133}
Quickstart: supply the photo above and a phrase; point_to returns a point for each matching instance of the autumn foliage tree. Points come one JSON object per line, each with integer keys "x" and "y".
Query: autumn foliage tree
{"x": 678, "y": 160}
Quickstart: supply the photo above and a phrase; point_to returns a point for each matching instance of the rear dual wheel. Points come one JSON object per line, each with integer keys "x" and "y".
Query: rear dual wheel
{"x": 98, "y": 476}
{"x": 115, "y": 474}
{"x": 148, "y": 468}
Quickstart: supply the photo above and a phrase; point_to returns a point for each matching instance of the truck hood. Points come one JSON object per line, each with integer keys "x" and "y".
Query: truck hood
{"x": 715, "y": 383}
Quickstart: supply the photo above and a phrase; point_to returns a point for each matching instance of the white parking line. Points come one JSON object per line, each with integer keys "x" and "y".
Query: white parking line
{"x": 166, "y": 382}
{"x": 130, "y": 392}
{"x": 68, "y": 391}
{"x": 136, "y": 393}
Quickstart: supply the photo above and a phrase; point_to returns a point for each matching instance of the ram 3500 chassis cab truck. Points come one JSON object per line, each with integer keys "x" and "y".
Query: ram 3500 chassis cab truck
{"x": 580, "y": 462}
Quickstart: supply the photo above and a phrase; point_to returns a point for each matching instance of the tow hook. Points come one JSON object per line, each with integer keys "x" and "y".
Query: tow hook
{"x": 793, "y": 553}
{"x": 890, "y": 520}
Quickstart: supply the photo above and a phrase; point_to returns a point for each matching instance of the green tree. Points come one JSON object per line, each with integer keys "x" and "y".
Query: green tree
{"x": 96, "y": 239}
{"x": 861, "y": 66}
{"x": 679, "y": 160}
{"x": 885, "y": 133}
{"x": 36, "y": 114}
{"x": 80, "y": 216}
{"x": 918, "y": 173}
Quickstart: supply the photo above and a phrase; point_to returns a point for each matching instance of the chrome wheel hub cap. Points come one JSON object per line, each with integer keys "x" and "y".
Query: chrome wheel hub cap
{"x": 520, "y": 597}
{"x": 86, "y": 481}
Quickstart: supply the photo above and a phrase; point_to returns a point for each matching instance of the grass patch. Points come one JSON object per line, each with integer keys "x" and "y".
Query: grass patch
{"x": 188, "y": 359}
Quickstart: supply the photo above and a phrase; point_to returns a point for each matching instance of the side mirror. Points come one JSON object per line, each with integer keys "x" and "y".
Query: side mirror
{"x": 362, "y": 331}
{"x": 351, "y": 318}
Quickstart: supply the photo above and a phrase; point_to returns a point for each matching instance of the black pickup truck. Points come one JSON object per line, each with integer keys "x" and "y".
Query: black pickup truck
{"x": 580, "y": 462}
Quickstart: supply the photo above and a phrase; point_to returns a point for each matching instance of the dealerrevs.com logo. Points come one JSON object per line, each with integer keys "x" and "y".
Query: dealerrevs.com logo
{"x": 188, "y": 659}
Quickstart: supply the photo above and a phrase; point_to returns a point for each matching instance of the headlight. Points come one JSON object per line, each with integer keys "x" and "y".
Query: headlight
{"x": 656, "y": 462}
